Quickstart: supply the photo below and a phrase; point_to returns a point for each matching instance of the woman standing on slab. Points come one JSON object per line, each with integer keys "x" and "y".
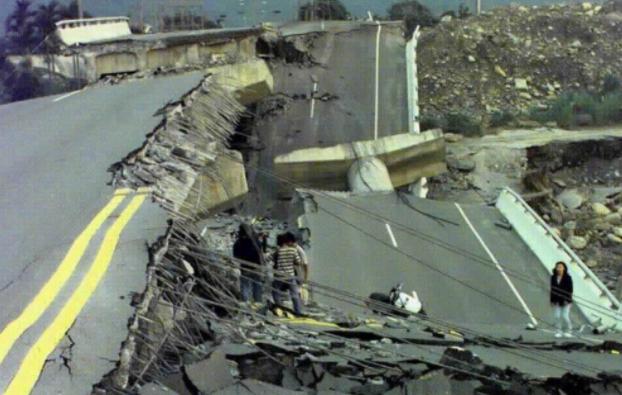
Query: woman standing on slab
{"x": 561, "y": 298}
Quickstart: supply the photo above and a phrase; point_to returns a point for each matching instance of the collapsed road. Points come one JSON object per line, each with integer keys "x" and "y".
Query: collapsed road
{"x": 146, "y": 300}
{"x": 56, "y": 152}
{"x": 340, "y": 82}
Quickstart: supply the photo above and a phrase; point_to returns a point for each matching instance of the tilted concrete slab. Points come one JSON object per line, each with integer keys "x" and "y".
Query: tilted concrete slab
{"x": 251, "y": 81}
{"x": 386, "y": 238}
{"x": 214, "y": 192}
{"x": 408, "y": 157}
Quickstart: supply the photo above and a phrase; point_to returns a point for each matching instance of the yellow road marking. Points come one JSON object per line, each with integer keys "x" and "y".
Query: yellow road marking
{"x": 31, "y": 366}
{"x": 308, "y": 321}
{"x": 52, "y": 287}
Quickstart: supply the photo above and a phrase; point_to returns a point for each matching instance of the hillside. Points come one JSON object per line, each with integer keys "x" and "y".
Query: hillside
{"x": 517, "y": 58}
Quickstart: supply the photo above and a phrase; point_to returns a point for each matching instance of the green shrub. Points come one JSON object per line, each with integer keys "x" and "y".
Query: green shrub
{"x": 459, "y": 122}
{"x": 609, "y": 109}
{"x": 568, "y": 108}
{"x": 501, "y": 118}
{"x": 611, "y": 84}
{"x": 428, "y": 122}
{"x": 565, "y": 109}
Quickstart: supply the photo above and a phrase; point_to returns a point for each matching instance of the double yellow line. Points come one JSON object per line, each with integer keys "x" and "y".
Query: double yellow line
{"x": 31, "y": 366}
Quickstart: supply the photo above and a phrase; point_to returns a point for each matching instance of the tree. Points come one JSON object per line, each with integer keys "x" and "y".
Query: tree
{"x": 413, "y": 14}
{"x": 323, "y": 10}
{"x": 24, "y": 84}
{"x": 21, "y": 31}
{"x": 71, "y": 11}
{"x": 463, "y": 11}
{"x": 46, "y": 17}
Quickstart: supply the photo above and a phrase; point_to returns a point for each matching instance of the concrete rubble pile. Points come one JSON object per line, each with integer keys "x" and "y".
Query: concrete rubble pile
{"x": 191, "y": 335}
{"x": 190, "y": 139}
{"x": 514, "y": 58}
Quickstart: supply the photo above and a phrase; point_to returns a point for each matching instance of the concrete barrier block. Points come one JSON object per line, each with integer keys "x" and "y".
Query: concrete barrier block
{"x": 408, "y": 157}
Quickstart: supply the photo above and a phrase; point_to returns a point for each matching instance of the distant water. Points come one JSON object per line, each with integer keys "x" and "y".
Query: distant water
{"x": 250, "y": 12}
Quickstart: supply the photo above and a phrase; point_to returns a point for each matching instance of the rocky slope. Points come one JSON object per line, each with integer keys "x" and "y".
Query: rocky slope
{"x": 515, "y": 58}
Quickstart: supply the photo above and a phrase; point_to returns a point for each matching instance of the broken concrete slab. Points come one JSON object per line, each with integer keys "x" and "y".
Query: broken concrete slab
{"x": 407, "y": 156}
{"x": 253, "y": 387}
{"x": 250, "y": 81}
{"x": 156, "y": 389}
{"x": 223, "y": 187}
{"x": 437, "y": 383}
{"x": 178, "y": 383}
{"x": 211, "y": 374}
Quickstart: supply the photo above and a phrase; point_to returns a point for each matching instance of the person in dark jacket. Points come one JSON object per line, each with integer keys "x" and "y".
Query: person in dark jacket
{"x": 248, "y": 250}
{"x": 561, "y": 298}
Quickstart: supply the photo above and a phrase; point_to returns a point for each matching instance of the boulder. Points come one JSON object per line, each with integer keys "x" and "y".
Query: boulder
{"x": 600, "y": 209}
{"x": 462, "y": 164}
{"x": 577, "y": 242}
{"x": 571, "y": 199}
{"x": 453, "y": 137}
{"x": 614, "y": 218}
{"x": 617, "y": 231}
{"x": 591, "y": 263}
{"x": 614, "y": 239}
{"x": 521, "y": 84}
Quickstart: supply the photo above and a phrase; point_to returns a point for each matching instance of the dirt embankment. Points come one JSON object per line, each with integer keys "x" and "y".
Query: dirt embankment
{"x": 516, "y": 58}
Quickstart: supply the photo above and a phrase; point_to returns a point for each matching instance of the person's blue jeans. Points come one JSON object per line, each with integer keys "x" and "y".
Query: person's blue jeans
{"x": 280, "y": 286}
{"x": 251, "y": 285}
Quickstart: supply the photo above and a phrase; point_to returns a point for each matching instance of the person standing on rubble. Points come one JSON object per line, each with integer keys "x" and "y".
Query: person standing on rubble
{"x": 303, "y": 274}
{"x": 249, "y": 252}
{"x": 286, "y": 259}
{"x": 561, "y": 298}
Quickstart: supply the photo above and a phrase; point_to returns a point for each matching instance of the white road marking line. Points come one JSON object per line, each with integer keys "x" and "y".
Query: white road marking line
{"x": 312, "y": 113}
{"x": 505, "y": 276}
{"x": 66, "y": 96}
{"x": 376, "y": 104}
{"x": 390, "y": 231}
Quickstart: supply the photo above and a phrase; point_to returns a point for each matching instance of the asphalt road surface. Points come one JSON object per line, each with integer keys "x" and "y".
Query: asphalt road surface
{"x": 53, "y": 169}
{"x": 383, "y": 241}
{"x": 355, "y": 88}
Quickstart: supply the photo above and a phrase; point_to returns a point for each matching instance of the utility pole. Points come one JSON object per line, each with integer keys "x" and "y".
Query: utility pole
{"x": 142, "y": 14}
{"x": 478, "y": 7}
{"x": 80, "y": 10}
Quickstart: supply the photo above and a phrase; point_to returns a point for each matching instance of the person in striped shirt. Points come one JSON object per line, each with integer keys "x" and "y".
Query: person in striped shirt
{"x": 286, "y": 260}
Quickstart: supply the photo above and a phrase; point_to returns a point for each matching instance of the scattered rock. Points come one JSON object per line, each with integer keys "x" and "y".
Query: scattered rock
{"x": 453, "y": 137}
{"x": 462, "y": 164}
{"x": 613, "y": 238}
{"x": 591, "y": 263}
{"x": 577, "y": 242}
{"x": 614, "y": 218}
{"x": 520, "y": 84}
{"x": 600, "y": 209}
{"x": 571, "y": 199}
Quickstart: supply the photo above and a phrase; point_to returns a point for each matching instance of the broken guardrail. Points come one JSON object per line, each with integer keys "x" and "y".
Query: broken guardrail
{"x": 604, "y": 310}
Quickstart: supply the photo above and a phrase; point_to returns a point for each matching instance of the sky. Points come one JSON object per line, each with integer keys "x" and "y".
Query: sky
{"x": 250, "y": 12}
